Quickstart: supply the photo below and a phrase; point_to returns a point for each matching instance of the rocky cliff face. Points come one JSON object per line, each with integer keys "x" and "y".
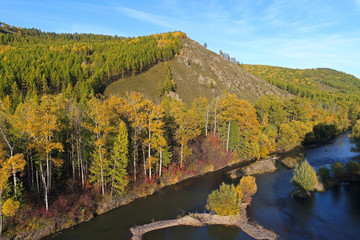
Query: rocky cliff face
{"x": 201, "y": 72}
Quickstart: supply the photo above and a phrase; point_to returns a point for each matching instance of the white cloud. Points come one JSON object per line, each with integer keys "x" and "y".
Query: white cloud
{"x": 147, "y": 17}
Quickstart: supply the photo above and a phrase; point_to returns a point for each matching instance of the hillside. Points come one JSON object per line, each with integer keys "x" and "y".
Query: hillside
{"x": 321, "y": 83}
{"x": 197, "y": 72}
{"x": 45, "y": 62}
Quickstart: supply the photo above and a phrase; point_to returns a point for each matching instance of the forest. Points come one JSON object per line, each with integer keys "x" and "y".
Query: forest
{"x": 66, "y": 149}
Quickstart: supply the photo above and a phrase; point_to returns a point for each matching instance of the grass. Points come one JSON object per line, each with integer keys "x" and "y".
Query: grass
{"x": 197, "y": 72}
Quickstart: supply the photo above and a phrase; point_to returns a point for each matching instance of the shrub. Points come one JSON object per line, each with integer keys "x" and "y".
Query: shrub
{"x": 224, "y": 201}
{"x": 337, "y": 169}
{"x": 324, "y": 173}
{"x": 304, "y": 177}
{"x": 352, "y": 168}
{"x": 10, "y": 207}
{"x": 248, "y": 187}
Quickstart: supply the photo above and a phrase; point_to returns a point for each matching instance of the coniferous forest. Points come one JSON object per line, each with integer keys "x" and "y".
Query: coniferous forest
{"x": 67, "y": 151}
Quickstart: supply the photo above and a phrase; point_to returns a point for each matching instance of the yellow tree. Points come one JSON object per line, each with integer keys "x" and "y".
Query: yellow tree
{"x": 76, "y": 115}
{"x": 200, "y": 106}
{"x": 8, "y": 166}
{"x": 241, "y": 111}
{"x": 7, "y": 131}
{"x": 188, "y": 127}
{"x": 100, "y": 124}
{"x": 40, "y": 122}
{"x": 229, "y": 111}
{"x": 137, "y": 110}
{"x": 4, "y": 175}
{"x": 248, "y": 187}
{"x": 156, "y": 136}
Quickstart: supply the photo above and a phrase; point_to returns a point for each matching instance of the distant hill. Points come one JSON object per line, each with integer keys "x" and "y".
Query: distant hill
{"x": 320, "y": 83}
{"x": 45, "y": 62}
{"x": 197, "y": 72}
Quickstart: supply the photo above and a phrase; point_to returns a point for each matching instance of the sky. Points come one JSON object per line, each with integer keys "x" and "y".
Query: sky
{"x": 287, "y": 33}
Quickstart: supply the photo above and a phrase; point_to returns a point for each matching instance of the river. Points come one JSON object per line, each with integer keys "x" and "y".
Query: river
{"x": 334, "y": 214}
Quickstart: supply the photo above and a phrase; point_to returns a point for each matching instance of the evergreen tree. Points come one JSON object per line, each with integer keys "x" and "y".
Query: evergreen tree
{"x": 304, "y": 177}
{"x": 120, "y": 160}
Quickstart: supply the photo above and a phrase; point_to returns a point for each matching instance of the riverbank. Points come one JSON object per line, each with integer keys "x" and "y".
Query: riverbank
{"x": 141, "y": 190}
{"x": 108, "y": 204}
{"x": 200, "y": 219}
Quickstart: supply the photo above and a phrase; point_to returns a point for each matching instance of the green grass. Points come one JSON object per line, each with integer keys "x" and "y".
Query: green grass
{"x": 146, "y": 83}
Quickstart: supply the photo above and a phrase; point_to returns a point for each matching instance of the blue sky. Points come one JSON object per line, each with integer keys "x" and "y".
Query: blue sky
{"x": 289, "y": 33}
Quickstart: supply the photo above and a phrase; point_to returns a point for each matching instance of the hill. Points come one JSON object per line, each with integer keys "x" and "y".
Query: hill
{"x": 196, "y": 72}
{"x": 320, "y": 83}
{"x": 43, "y": 62}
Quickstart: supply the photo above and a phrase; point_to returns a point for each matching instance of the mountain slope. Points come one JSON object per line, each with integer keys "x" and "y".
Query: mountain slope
{"x": 197, "y": 72}
{"x": 321, "y": 83}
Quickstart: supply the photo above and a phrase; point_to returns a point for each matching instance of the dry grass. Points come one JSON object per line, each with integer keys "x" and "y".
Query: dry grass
{"x": 197, "y": 72}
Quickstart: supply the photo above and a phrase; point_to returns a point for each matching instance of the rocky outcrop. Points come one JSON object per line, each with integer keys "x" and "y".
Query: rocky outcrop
{"x": 200, "y": 219}
{"x": 292, "y": 160}
{"x": 259, "y": 167}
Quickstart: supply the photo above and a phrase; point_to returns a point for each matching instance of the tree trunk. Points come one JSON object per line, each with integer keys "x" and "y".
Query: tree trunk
{"x": 32, "y": 169}
{"x": 207, "y": 121}
{"x": 79, "y": 152}
{"x": 1, "y": 216}
{"x": 73, "y": 158}
{"x": 215, "y": 116}
{"x": 45, "y": 187}
{"x": 14, "y": 177}
{"x": 113, "y": 178}
{"x": 143, "y": 156}
{"x": 47, "y": 168}
{"x": 160, "y": 166}
{"x": 149, "y": 160}
{"x": 181, "y": 155}
{"x": 37, "y": 182}
{"x": 135, "y": 152}
{"x": 13, "y": 172}
{"x": 228, "y": 137}
{"x": 101, "y": 172}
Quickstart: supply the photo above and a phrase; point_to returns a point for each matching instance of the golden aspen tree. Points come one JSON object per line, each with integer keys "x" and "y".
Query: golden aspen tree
{"x": 248, "y": 187}
{"x": 229, "y": 111}
{"x": 156, "y": 137}
{"x": 40, "y": 121}
{"x": 5, "y": 128}
{"x": 200, "y": 106}
{"x": 137, "y": 109}
{"x": 4, "y": 175}
{"x": 188, "y": 127}
{"x": 8, "y": 167}
{"x": 99, "y": 124}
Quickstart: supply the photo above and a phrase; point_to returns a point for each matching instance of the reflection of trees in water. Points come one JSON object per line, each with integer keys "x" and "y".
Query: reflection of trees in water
{"x": 335, "y": 193}
{"x": 302, "y": 209}
{"x": 352, "y": 197}
{"x": 221, "y": 232}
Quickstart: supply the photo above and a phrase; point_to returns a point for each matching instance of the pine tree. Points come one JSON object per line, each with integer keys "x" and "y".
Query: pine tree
{"x": 120, "y": 159}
